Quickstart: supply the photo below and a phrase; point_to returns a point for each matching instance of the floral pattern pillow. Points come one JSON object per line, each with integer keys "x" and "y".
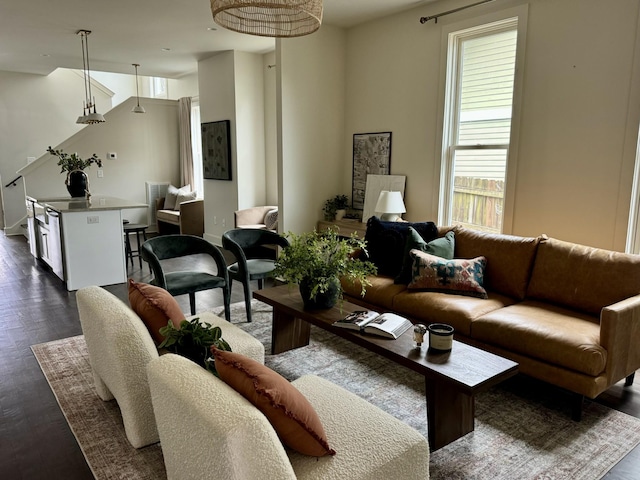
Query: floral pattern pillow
{"x": 456, "y": 276}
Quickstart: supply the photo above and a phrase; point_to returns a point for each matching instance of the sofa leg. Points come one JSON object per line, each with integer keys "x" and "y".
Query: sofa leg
{"x": 629, "y": 380}
{"x": 576, "y": 407}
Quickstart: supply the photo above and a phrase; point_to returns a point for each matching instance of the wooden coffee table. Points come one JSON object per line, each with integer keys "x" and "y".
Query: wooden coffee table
{"x": 452, "y": 379}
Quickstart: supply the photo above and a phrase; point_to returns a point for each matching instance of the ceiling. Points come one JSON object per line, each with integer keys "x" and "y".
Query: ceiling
{"x": 166, "y": 37}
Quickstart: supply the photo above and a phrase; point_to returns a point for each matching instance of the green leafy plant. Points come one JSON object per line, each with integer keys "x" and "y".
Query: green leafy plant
{"x": 331, "y": 206}
{"x": 194, "y": 340}
{"x": 71, "y": 162}
{"x": 320, "y": 257}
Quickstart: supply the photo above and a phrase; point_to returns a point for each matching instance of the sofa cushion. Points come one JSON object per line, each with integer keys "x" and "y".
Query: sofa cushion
{"x": 456, "y": 276}
{"x": 553, "y": 334}
{"x": 292, "y": 416}
{"x": 509, "y": 259}
{"x": 170, "y": 216}
{"x": 455, "y": 310}
{"x": 271, "y": 219}
{"x": 184, "y": 196}
{"x": 440, "y": 247}
{"x": 155, "y": 306}
{"x": 380, "y": 293}
{"x": 583, "y": 278}
{"x": 170, "y": 198}
{"x": 386, "y": 241}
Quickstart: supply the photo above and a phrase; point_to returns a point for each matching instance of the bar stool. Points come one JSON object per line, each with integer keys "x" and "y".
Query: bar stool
{"x": 139, "y": 229}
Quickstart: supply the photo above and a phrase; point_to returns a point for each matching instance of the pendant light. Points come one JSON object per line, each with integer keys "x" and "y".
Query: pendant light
{"x": 89, "y": 114}
{"x": 137, "y": 108}
{"x": 269, "y": 18}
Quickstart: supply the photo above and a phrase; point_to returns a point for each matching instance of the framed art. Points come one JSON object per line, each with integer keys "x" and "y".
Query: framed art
{"x": 371, "y": 156}
{"x": 216, "y": 150}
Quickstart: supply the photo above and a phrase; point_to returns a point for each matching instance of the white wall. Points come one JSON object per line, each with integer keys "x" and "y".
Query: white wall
{"x": 185, "y": 86}
{"x": 146, "y": 146}
{"x": 35, "y": 112}
{"x": 580, "y": 112}
{"x": 311, "y": 118}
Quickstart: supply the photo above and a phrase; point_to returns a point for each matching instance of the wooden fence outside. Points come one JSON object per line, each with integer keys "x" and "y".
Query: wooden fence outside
{"x": 478, "y": 203}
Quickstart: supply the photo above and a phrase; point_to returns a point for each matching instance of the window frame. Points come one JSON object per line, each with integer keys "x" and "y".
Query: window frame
{"x": 449, "y": 66}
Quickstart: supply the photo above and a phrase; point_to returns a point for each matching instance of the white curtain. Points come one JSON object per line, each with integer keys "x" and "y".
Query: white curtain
{"x": 186, "y": 151}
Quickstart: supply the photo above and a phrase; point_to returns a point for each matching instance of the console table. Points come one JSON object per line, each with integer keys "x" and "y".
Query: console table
{"x": 345, "y": 227}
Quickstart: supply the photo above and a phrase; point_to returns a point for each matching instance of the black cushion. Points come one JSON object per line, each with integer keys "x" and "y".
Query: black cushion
{"x": 386, "y": 242}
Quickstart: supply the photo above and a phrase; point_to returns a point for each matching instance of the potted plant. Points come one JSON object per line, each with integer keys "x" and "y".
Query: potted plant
{"x": 336, "y": 207}
{"x": 317, "y": 260}
{"x": 77, "y": 182}
{"x": 193, "y": 340}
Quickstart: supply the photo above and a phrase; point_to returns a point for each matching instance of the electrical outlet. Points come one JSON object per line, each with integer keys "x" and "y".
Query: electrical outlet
{"x": 100, "y": 173}
{"x": 112, "y": 155}
{"x": 93, "y": 219}
{"x": 224, "y": 222}
{"x": 215, "y": 220}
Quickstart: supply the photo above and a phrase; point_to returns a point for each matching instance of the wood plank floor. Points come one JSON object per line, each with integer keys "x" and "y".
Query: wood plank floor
{"x": 35, "y": 307}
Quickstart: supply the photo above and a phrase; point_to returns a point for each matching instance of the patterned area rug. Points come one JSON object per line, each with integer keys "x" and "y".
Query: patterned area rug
{"x": 514, "y": 437}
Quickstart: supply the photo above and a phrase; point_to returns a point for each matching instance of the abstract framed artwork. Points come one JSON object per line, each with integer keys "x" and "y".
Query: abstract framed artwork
{"x": 371, "y": 156}
{"x": 216, "y": 150}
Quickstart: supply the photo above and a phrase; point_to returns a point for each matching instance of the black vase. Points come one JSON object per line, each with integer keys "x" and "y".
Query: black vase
{"x": 323, "y": 300}
{"x": 77, "y": 183}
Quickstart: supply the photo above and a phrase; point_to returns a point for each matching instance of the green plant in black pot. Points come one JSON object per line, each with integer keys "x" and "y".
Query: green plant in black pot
{"x": 331, "y": 206}
{"x": 193, "y": 340}
{"x": 317, "y": 261}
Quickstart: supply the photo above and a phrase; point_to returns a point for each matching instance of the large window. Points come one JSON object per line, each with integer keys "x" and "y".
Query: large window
{"x": 196, "y": 147}
{"x": 477, "y": 124}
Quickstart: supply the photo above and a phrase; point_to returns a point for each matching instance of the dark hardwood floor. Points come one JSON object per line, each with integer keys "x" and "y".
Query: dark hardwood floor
{"x": 35, "y": 307}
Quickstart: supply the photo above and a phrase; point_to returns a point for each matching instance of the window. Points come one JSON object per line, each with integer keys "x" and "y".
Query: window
{"x": 477, "y": 124}
{"x": 158, "y": 87}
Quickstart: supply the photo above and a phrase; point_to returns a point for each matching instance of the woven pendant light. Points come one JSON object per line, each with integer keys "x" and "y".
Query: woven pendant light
{"x": 269, "y": 18}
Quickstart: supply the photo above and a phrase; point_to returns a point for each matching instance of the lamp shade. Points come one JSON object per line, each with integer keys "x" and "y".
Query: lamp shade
{"x": 390, "y": 205}
{"x": 268, "y": 18}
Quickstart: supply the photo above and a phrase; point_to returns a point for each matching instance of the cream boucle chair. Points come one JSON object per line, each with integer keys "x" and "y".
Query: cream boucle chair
{"x": 208, "y": 430}
{"x": 120, "y": 347}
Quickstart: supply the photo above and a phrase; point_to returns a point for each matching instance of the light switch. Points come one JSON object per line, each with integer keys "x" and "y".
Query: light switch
{"x": 112, "y": 155}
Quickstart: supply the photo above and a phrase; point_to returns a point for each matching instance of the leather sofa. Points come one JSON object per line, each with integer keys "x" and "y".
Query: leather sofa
{"x": 209, "y": 430}
{"x": 188, "y": 219}
{"x": 569, "y": 314}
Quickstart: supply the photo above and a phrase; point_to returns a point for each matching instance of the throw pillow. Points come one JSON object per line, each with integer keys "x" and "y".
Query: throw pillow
{"x": 386, "y": 240}
{"x": 292, "y": 416}
{"x": 155, "y": 306}
{"x": 440, "y": 247}
{"x": 170, "y": 198}
{"x": 457, "y": 276}
{"x": 271, "y": 219}
{"x": 185, "y": 196}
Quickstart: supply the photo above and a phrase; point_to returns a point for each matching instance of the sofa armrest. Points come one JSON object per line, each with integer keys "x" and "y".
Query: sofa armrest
{"x": 192, "y": 218}
{"x": 252, "y": 216}
{"x": 620, "y": 336}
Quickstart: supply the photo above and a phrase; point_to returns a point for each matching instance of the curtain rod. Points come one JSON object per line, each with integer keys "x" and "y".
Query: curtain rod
{"x": 438, "y": 15}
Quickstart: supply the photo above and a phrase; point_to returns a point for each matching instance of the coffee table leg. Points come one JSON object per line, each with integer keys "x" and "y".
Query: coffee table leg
{"x": 450, "y": 413}
{"x": 288, "y": 332}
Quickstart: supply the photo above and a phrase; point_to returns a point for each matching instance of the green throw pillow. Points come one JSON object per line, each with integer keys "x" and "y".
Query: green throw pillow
{"x": 440, "y": 247}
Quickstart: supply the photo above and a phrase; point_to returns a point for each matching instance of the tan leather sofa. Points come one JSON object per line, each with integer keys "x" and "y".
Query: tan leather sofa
{"x": 188, "y": 220}
{"x": 567, "y": 313}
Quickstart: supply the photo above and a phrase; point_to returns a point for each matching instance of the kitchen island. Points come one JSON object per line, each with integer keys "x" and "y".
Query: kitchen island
{"x": 80, "y": 239}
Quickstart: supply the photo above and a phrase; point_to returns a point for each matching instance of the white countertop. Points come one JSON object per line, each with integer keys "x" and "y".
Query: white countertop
{"x": 81, "y": 204}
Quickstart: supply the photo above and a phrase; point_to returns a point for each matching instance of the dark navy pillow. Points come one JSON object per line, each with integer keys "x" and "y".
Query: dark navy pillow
{"x": 386, "y": 242}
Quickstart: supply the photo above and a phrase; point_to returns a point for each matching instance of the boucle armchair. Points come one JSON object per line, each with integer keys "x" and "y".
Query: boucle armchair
{"x": 209, "y": 430}
{"x": 120, "y": 347}
{"x": 265, "y": 217}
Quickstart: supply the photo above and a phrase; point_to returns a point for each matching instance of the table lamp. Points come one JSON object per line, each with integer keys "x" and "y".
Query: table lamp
{"x": 390, "y": 205}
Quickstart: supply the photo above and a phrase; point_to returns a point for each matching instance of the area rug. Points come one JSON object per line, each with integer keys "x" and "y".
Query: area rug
{"x": 515, "y": 437}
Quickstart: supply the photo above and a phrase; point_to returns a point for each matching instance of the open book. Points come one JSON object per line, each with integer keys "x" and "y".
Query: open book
{"x": 387, "y": 325}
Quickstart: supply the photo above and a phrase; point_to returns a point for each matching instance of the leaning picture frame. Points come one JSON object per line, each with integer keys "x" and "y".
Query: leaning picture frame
{"x": 216, "y": 150}
{"x": 371, "y": 156}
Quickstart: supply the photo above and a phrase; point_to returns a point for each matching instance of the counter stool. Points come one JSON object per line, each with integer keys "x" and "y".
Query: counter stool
{"x": 138, "y": 229}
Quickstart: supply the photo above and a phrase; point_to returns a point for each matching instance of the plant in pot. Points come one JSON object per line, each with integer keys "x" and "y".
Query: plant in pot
{"x": 317, "y": 260}
{"x": 194, "y": 340}
{"x": 77, "y": 181}
{"x": 336, "y": 207}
